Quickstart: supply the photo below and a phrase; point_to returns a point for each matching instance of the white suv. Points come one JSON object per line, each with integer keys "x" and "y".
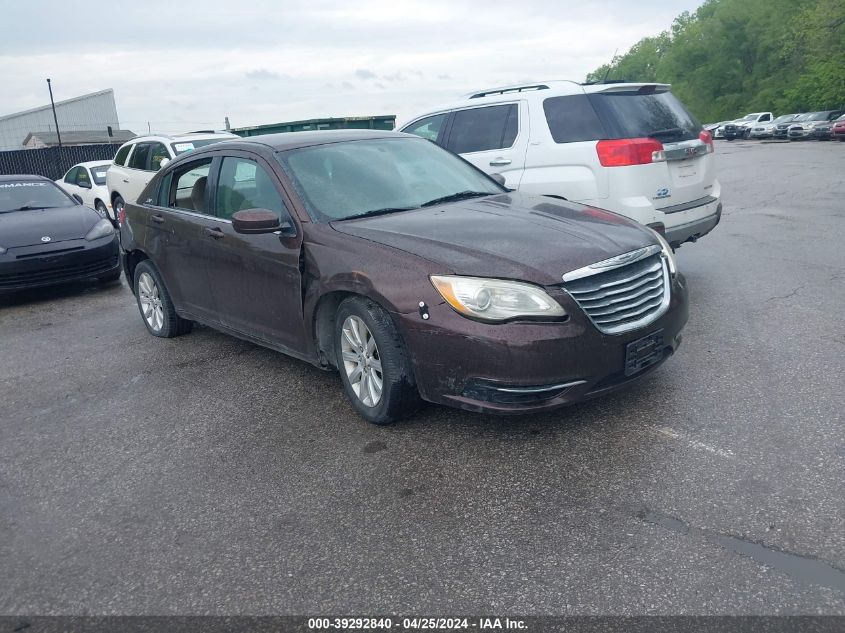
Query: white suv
{"x": 629, "y": 148}
{"x": 138, "y": 160}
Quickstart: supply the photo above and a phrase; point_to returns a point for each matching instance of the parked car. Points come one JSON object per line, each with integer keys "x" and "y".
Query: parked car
{"x": 631, "y": 148}
{"x": 48, "y": 236}
{"x": 138, "y": 160}
{"x": 767, "y": 130}
{"x": 824, "y": 130}
{"x": 837, "y": 132}
{"x": 88, "y": 181}
{"x": 404, "y": 267}
{"x": 741, "y": 128}
{"x": 805, "y": 128}
{"x": 715, "y": 129}
{"x": 781, "y": 130}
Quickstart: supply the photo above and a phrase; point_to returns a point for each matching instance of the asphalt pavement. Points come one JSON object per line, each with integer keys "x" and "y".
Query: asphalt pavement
{"x": 206, "y": 475}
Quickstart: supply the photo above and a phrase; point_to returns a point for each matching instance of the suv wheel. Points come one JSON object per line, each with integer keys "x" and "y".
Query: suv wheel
{"x": 157, "y": 309}
{"x": 373, "y": 364}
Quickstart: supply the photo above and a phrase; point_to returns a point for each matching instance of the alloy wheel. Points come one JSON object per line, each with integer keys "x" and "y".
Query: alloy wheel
{"x": 149, "y": 298}
{"x": 361, "y": 361}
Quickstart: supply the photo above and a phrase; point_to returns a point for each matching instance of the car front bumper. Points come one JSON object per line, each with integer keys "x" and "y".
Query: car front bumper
{"x": 59, "y": 262}
{"x": 526, "y": 367}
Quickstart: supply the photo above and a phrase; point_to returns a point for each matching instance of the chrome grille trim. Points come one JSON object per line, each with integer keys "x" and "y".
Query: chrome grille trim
{"x": 626, "y": 297}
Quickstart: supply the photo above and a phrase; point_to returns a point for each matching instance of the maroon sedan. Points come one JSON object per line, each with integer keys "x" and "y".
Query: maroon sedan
{"x": 837, "y": 131}
{"x": 406, "y": 269}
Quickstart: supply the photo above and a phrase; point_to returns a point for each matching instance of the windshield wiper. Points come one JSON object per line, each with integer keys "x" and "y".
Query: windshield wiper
{"x": 670, "y": 131}
{"x": 31, "y": 207}
{"x": 454, "y": 197}
{"x": 384, "y": 211}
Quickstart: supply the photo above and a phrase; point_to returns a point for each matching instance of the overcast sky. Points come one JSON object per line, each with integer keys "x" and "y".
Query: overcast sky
{"x": 183, "y": 65}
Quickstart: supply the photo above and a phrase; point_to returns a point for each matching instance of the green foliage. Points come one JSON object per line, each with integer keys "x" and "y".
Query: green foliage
{"x": 732, "y": 57}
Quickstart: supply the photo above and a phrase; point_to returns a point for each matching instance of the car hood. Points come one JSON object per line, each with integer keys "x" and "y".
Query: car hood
{"x": 25, "y": 228}
{"x": 510, "y": 236}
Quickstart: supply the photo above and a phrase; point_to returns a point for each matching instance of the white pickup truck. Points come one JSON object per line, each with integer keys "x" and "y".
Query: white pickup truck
{"x": 741, "y": 128}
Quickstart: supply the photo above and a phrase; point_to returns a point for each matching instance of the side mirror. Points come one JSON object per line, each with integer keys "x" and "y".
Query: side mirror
{"x": 163, "y": 162}
{"x": 252, "y": 221}
{"x": 498, "y": 178}
{"x": 85, "y": 184}
{"x": 78, "y": 198}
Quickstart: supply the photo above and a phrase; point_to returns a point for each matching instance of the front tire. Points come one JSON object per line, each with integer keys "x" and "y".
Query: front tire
{"x": 102, "y": 209}
{"x": 156, "y": 307}
{"x": 373, "y": 364}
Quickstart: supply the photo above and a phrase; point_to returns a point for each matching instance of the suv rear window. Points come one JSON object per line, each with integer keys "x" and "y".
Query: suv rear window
{"x": 614, "y": 115}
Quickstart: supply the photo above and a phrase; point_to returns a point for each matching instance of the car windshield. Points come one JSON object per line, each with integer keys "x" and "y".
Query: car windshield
{"x": 750, "y": 117}
{"x": 338, "y": 181}
{"x": 818, "y": 116}
{"x": 783, "y": 118}
{"x": 98, "y": 172}
{"x": 181, "y": 147}
{"x": 28, "y": 195}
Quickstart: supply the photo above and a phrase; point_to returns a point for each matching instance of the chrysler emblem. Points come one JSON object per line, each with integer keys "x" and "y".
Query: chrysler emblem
{"x": 46, "y": 238}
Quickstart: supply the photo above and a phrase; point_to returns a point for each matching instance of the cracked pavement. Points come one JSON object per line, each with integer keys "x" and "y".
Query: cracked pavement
{"x": 205, "y": 475}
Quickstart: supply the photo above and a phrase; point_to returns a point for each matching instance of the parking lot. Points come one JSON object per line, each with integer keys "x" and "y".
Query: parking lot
{"x": 206, "y": 475}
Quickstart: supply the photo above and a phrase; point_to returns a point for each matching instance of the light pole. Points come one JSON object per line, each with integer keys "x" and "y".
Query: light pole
{"x": 55, "y": 118}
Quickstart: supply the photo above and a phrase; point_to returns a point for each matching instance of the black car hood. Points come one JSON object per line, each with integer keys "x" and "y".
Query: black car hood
{"x": 25, "y": 228}
{"x": 511, "y": 236}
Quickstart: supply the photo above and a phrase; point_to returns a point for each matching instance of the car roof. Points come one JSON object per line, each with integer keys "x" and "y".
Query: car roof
{"x": 295, "y": 140}
{"x": 93, "y": 163}
{"x": 23, "y": 177}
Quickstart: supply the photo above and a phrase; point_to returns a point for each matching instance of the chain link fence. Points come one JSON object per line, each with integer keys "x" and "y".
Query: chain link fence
{"x": 53, "y": 162}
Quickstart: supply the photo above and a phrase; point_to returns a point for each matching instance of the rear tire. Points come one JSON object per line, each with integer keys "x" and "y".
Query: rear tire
{"x": 156, "y": 307}
{"x": 373, "y": 364}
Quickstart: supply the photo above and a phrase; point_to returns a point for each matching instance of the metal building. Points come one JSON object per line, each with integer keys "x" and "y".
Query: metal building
{"x": 92, "y": 112}
{"x": 383, "y": 122}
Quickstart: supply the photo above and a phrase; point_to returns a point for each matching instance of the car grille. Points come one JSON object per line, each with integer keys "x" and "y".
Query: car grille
{"x": 624, "y": 298}
{"x": 57, "y": 273}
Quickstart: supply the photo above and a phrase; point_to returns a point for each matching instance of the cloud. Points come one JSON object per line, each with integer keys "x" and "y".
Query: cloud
{"x": 445, "y": 77}
{"x": 398, "y": 76}
{"x": 363, "y": 73}
{"x": 380, "y": 86}
{"x": 348, "y": 86}
{"x": 262, "y": 74}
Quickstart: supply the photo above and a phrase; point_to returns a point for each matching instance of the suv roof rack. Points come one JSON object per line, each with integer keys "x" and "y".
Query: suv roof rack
{"x": 501, "y": 91}
{"x": 606, "y": 81}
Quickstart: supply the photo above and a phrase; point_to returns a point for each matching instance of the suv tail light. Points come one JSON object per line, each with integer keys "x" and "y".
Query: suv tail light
{"x": 629, "y": 151}
{"x": 707, "y": 139}
{"x": 121, "y": 216}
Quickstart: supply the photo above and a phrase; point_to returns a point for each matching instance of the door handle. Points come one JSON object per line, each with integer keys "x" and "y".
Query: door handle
{"x": 498, "y": 162}
{"x": 216, "y": 233}
{"x": 158, "y": 219}
{"x": 126, "y": 180}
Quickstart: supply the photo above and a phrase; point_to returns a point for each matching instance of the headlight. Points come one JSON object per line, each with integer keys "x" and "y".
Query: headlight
{"x": 100, "y": 229}
{"x": 667, "y": 252}
{"x": 496, "y": 299}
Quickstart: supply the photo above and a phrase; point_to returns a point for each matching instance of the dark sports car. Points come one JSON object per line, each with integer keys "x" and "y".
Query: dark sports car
{"x": 49, "y": 237}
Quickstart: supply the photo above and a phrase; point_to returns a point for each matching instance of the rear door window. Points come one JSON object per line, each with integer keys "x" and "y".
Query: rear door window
{"x": 187, "y": 187}
{"x": 572, "y": 119}
{"x": 644, "y": 114}
{"x": 486, "y": 128}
